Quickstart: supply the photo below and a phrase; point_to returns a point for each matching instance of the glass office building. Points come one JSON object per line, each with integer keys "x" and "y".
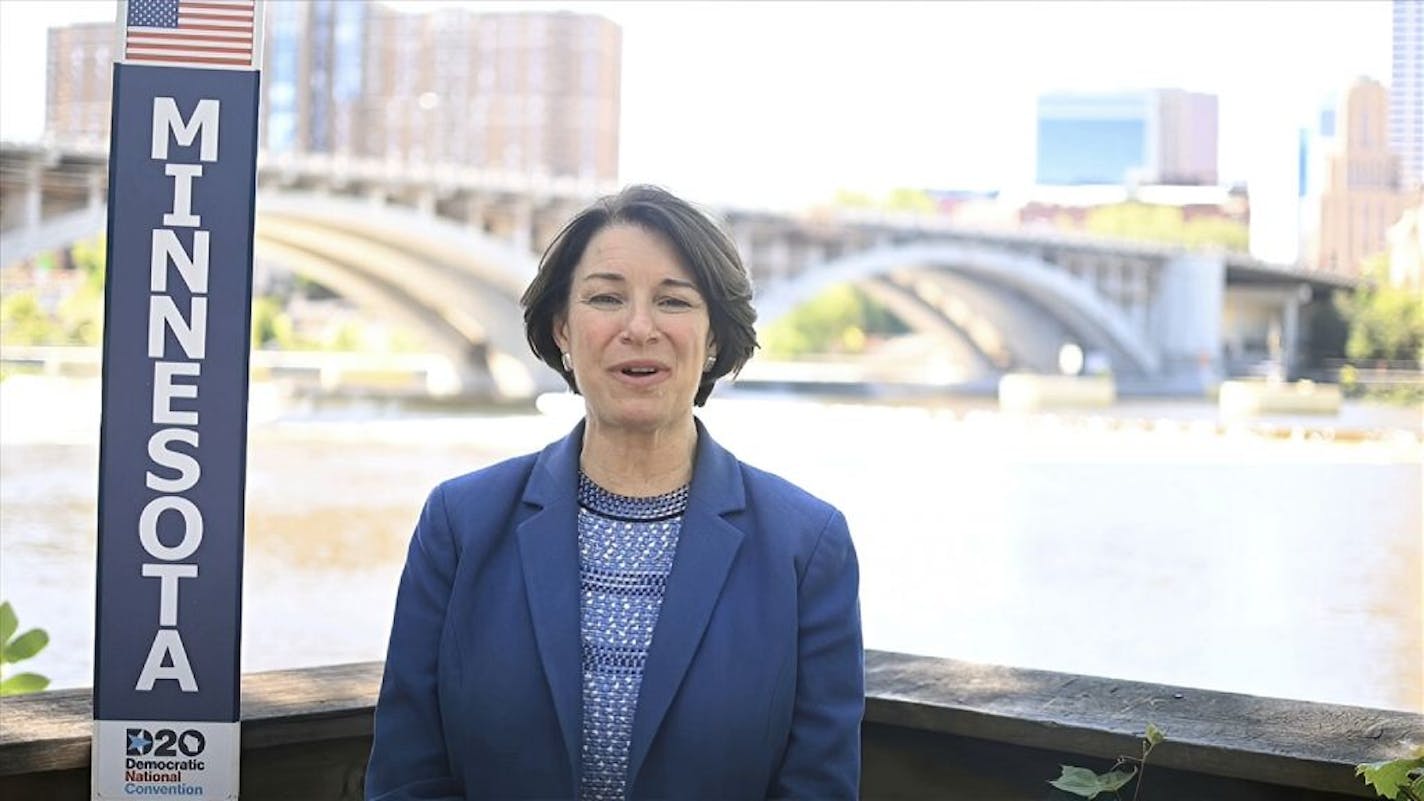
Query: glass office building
{"x": 1163, "y": 136}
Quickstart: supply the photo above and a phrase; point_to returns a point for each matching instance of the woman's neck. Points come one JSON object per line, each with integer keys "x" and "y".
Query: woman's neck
{"x": 638, "y": 463}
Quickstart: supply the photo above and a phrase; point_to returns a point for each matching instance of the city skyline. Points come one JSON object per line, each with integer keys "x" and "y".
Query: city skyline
{"x": 783, "y": 125}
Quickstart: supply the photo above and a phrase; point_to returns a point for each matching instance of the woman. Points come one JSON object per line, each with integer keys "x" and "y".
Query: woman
{"x": 632, "y": 612}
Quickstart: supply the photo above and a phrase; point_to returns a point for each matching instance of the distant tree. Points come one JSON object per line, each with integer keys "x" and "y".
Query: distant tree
{"x": 1385, "y": 322}
{"x": 272, "y": 328}
{"x": 852, "y": 199}
{"x": 915, "y": 201}
{"x": 1166, "y": 224}
{"x": 23, "y": 321}
{"x": 901, "y": 200}
{"x": 840, "y": 320}
{"x": 77, "y": 318}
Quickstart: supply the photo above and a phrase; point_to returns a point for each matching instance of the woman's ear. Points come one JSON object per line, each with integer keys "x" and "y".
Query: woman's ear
{"x": 561, "y": 332}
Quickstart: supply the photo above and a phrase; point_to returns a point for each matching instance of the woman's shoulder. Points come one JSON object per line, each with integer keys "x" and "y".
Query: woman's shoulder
{"x": 768, "y": 486}
{"x": 772, "y": 500}
{"x": 498, "y": 480}
{"x": 773, "y": 497}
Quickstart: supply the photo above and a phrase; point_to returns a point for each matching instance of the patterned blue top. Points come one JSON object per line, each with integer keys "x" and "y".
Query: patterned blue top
{"x": 626, "y": 546}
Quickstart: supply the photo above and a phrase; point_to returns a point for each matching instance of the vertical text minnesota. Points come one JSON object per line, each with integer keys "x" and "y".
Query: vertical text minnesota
{"x": 177, "y": 375}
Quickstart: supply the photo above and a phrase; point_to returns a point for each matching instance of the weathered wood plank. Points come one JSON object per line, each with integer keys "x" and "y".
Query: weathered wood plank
{"x": 45, "y": 731}
{"x": 1280, "y": 741}
{"x": 930, "y": 702}
{"x": 50, "y": 731}
{"x": 914, "y": 765}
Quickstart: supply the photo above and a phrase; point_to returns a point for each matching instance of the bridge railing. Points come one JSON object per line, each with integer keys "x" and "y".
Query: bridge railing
{"x": 317, "y": 370}
{"x": 933, "y": 728}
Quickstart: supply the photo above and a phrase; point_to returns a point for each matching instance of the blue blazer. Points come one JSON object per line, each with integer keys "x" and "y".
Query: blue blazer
{"x": 753, "y": 686}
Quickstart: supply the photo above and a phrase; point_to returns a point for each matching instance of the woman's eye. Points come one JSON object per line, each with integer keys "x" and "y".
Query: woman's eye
{"x": 676, "y": 303}
{"x": 603, "y": 300}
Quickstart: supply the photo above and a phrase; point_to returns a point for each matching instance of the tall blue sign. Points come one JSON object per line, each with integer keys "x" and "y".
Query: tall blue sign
{"x": 173, "y": 439}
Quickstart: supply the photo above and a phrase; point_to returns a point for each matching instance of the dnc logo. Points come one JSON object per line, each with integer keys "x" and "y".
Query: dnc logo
{"x": 168, "y": 743}
{"x": 140, "y": 742}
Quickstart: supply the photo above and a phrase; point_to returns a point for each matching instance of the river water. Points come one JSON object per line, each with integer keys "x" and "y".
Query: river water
{"x": 1146, "y": 544}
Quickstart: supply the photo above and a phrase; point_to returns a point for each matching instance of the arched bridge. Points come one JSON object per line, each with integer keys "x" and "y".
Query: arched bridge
{"x": 448, "y": 252}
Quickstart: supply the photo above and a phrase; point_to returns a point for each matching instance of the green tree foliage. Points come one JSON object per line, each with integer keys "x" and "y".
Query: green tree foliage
{"x": 347, "y": 336}
{"x": 28, "y": 318}
{"x": 915, "y": 201}
{"x": 14, "y": 649}
{"x": 839, "y": 320}
{"x": 1166, "y": 224}
{"x": 852, "y": 199}
{"x": 901, "y": 199}
{"x": 77, "y": 319}
{"x": 1385, "y": 322}
{"x": 271, "y": 327}
{"x": 24, "y": 322}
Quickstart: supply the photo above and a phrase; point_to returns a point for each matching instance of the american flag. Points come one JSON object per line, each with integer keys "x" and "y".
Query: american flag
{"x": 205, "y": 32}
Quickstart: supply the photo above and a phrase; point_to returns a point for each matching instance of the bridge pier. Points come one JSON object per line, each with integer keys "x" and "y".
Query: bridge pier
{"x": 1185, "y": 321}
{"x": 1262, "y": 327}
{"x": 521, "y": 228}
{"x": 98, "y": 190}
{"x": 476, "y": 216}
{"x": 33, "y": 197}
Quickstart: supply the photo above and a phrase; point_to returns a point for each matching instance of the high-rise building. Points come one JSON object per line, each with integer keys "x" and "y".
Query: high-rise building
{"x": 1162, "y": 136}
{"x": 527, "y": 92}
{"x": 1356, "y": 197}
{"x": 1406, "y": 91}
{"x": 515, "y": 91}
{"x": 78, "y": 79}
{"x": 1406, "y": 250}
{"x": 313, "y": 76}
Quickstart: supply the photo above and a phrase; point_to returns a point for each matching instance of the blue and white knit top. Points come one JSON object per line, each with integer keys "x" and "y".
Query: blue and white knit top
{"x": 626, "y": 546}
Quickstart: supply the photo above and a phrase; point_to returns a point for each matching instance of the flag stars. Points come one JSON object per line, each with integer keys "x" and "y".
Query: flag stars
{"x": 153, "y": 13}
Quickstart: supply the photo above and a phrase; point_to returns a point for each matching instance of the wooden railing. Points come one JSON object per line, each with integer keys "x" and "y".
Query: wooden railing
{"x": 934, "y": 728}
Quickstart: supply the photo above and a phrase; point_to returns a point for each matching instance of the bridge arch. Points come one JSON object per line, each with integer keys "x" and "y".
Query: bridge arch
{"x": 1075, "y": 305}
{"x": 456, "y": 288}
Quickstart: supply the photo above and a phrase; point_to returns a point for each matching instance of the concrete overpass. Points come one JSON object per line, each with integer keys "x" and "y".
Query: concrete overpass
{"x": 446, "y": 252}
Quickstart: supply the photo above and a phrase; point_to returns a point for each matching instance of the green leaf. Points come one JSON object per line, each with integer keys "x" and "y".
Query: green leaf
{"x": 1115, "y": 780}
{"x": 8, "y": 624}
{"x": 23, "y": 683}
{"x": 1084, "y": 782}
{"x": 1389, "y": 777}
{"x": 1154, "y": 735}
{"x": 26, "y": 645}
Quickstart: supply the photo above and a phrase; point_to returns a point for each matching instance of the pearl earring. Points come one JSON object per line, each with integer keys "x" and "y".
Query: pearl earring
{"x": 568, "y": 361}
{"x": 711, "y": 362}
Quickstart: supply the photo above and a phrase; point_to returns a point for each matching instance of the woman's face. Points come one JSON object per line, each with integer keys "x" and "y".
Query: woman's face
{"x": 637, "y": 329}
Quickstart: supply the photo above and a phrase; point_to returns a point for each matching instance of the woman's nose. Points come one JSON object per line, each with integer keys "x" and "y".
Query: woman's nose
{"x": 640, "y": 325}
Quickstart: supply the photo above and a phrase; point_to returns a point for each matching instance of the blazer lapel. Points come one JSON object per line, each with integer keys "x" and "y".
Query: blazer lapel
{"x": 548, "y": 551}
{"x": 707, "y": 544}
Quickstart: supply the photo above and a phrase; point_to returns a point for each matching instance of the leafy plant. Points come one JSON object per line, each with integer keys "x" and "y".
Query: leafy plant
{"x": 1396, "y": 779}
{"x": 1090, "y": 784}
{"x": 14, "y": 649}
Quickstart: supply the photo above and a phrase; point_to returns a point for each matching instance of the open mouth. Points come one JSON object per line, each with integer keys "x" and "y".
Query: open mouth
{"x": 638, "y": 371}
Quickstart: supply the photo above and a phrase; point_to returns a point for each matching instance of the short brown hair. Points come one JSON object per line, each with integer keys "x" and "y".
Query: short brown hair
{"x": 704, "y": 249}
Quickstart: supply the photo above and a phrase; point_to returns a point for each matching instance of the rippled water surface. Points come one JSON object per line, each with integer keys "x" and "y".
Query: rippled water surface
{"x": 1168, "y": 552}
